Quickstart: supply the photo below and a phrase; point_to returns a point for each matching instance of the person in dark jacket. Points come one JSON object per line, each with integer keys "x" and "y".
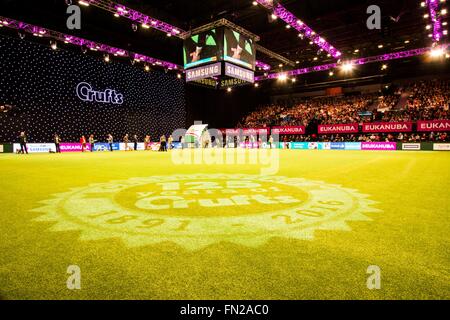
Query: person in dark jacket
{"x": 57, "y": 141}
{"x": 135, "y": 140}
{"x": 23, "y": 143}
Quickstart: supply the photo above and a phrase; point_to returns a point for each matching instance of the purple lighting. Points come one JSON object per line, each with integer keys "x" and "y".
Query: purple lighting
{"x": 362, "y": 61}
{"x": 92, "y": 45}
{"x": 263, "y": 66}
{"x": 120, "y": 10}
{"x": 285, "y": 15}
{"x": 433, "y": 6}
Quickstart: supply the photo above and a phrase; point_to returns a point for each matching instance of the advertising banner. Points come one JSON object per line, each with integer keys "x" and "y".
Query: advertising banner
{"x": 386, "y": 146}
{"x": 249, "y": 145}
{"x": 297, "y": 130}
{"x": 337, "y": 146}
{"x": 352, "y": 145}
{"x": 103, "y": 146}
{"x": 441, "y": 146}
{"x": 246, "y": 131}
{"x": 239, "y": 73}
{"x": 381, "y": 127}
{"x": 73, "y": 147}
{"x": 297, "y": 145}
{"x": 325, "y": 145}
{"x": 411, "y": 146}
{"x": 154, "y": 146}
{"x": 140, "y": 146}
{"x": 203, "y": 72}
{"x": 37, "y": 147}
{"x": 338, "y": 128}
{"x": 433, "y": 125}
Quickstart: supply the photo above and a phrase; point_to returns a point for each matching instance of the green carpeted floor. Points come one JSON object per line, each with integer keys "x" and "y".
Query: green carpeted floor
{"x": 310, "y": 235}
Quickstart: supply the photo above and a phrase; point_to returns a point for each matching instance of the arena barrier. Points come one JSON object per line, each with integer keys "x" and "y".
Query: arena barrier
{"x": 154, "y": 146}
{"x": 6, "y": 148}
{"x": 366, "y": 146}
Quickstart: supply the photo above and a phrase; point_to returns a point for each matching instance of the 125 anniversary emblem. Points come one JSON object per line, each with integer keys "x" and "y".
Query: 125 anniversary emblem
{"x": 197, "y": 210}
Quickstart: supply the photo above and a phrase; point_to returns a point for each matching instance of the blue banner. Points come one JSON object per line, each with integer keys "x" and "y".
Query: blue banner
{"x": 353, "y": 146}
{"x": 176, "y": 145}
{"x": 337, "y": 146}
{"x": 103, "y": 146}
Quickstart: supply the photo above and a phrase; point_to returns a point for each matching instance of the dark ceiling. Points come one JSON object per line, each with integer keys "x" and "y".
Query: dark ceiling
{"x": 341, "y": 22}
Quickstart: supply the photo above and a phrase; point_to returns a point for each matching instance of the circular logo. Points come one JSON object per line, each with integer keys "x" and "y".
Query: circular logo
{"x": 201, "y": 209}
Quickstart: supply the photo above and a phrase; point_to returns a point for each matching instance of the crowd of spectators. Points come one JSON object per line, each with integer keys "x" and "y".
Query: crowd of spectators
{"x": 428, "y": 100}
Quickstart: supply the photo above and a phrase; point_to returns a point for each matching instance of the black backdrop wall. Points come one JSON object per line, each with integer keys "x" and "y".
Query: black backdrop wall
{"x": 40, "y": 84}
{"x": 221, "y": 109}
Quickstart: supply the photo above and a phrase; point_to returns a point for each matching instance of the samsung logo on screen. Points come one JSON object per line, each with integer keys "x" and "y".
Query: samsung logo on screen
{"x": 86, "y": 93}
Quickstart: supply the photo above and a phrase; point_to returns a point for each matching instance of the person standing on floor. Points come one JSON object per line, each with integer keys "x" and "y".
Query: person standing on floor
{"x": 83, "y": 143}
{"x": 23, "y": 143}
{"x": 135, "y": 140}
{"x": 110, "y": 142}
{"x": 57, "y": 141}
{"x": 91, "y": 142}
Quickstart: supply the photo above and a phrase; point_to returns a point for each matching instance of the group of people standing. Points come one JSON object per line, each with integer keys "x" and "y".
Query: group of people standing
{"x": 129, "y": 144}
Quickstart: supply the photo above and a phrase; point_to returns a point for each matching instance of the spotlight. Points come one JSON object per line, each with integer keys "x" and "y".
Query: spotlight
{"x": 288, "y": 26}
{"x": 384, "y": 67}
{"x": 255, "y": 3}
{"x": 347, "y": 67}
{"x": 282, "y": 77}
{"x": 437, "y": 52}
{"x": 229, "y": 89}
{"x": 179, "y": 76}
{"x": 280, "y": 65}
{"x": 274, "y": 16}
{"x": 380, "y": 46}
{"x": 84, "y": 3}
{"x": 134, "y": 27}
{"x": 146, "y": 26}
{"x": 106, "y": 58}
{"x": 294, "y": 80}
{"x": 147, "y": 68}
{"x": 169, "y": 35}
{"x": 256, "y": 85}
{"x": 116, "y": 15}
{"x": 53, "y": 45}
{"x": 331, "y": 73}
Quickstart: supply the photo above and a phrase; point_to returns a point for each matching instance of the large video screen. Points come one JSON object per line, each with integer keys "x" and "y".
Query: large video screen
{"x": 239, "y": 49}
{"x": 202, "y": 48}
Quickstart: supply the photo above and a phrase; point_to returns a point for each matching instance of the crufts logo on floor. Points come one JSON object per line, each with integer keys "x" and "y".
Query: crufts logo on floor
{"x": 197, "y": 210}
{"x": 86, "y": 93}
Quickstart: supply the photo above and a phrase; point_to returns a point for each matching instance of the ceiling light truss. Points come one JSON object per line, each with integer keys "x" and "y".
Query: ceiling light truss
{"x": 88, "y": 44}
{"x": 362, "y": 61}
{"x": 291, "y": 20}
{"x": 136, "y": 16}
